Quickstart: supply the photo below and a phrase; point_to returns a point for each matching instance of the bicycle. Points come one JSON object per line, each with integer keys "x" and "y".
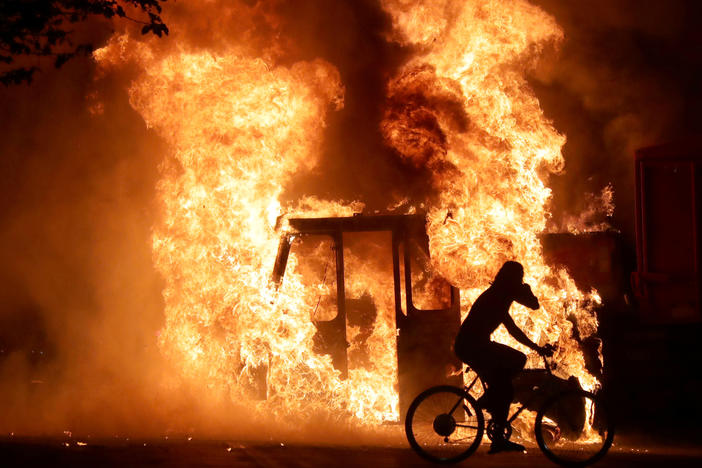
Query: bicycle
{"x": 573, "y": 427}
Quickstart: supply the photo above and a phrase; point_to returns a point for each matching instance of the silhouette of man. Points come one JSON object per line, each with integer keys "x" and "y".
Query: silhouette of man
{"x": 495, "y": 363}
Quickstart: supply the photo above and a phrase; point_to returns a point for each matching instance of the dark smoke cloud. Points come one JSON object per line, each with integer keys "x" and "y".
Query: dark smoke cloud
{"x": 626, "y": 77}
{"x": 356, "y": 164}
{"x": 78, "y": 189}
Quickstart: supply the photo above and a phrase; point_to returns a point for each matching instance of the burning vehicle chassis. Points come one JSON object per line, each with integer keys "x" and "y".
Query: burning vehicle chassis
{"x": 424, "y": 335}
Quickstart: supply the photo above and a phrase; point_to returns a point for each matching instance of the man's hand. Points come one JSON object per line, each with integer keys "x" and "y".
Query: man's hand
{"x": 524, "y": 296}
{"x": 546, "y": 350}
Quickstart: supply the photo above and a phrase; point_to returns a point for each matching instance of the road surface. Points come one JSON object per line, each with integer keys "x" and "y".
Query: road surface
{"x": 181, "y": 452}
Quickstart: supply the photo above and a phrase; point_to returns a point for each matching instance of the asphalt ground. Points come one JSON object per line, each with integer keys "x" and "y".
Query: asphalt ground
{"x": 189, "y": 452}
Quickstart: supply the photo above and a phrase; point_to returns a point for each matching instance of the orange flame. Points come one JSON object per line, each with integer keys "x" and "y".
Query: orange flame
{"x": 240, "y": 127}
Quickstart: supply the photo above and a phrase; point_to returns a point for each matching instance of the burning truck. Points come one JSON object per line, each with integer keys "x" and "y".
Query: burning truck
{"x": 457, "y": 113}
{"x": 426, "y": 307}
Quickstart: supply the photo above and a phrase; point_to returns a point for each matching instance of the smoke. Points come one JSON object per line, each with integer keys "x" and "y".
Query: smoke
{"x": 353, "y": 37}
{"x": 80, "y": 300}
{"x": 79, "y": 170}
{"x": 622, "y": 80}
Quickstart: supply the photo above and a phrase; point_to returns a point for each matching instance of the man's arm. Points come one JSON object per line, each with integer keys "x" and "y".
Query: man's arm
{"x": 519, "y": 335}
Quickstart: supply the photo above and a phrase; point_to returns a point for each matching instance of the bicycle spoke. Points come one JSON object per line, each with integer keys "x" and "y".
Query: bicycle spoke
{"x": 441, "y": 427}
{"x": 574, "y": 429}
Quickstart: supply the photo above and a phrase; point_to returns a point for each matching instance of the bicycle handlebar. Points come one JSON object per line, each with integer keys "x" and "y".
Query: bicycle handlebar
{"x": 549, "y": 365}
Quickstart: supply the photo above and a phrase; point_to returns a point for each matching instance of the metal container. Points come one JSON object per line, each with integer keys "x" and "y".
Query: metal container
{"x": 668, "y": 281}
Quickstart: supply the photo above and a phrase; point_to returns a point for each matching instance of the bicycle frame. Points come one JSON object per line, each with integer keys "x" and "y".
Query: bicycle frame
{"x": 559, "y": 424}
{"x": 537, "y": 392}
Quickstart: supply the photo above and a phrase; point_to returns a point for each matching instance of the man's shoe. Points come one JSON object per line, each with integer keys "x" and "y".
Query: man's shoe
{"x": 504, "y": 445}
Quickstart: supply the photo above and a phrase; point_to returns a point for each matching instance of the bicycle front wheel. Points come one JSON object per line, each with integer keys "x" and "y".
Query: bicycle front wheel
{"x": 574, "y": 428}
{"x": 444, "y": 424}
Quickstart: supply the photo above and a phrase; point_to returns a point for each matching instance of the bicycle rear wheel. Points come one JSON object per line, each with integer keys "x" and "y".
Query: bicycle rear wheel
{"x": 444, "y": 424}
{"x": 574, "y": 428}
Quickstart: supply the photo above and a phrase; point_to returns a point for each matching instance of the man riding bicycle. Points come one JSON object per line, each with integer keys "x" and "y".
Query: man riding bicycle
{"x": 495, "y": 363}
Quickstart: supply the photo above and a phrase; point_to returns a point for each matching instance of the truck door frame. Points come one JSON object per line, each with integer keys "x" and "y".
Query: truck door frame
{"x": 404, "y": 229}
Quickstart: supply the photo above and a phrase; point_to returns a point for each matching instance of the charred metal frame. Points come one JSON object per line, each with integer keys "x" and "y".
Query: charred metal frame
{"x": 420, "y": 364}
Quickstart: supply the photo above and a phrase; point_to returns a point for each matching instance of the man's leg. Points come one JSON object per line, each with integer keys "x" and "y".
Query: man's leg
{"x": 508, "y": 363}
{"x": 501, "y": 398}
{"x": 497, "y": 364}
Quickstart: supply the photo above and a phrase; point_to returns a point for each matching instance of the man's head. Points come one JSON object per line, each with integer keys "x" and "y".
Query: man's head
{"x": 510, "y": 278}
{"x": 510, "y": 275}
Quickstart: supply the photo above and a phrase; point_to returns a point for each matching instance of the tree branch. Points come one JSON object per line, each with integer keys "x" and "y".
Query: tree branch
{"x": 37, "y": 28}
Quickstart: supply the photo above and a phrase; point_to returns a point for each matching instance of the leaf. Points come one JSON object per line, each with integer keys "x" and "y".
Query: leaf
{"x": 43, "y": 28}
{"x": 18, "y": 76}
{"x": 84, "y": 49}
{"x": 62, "y": 59}
{"x": 160, "y": 29}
